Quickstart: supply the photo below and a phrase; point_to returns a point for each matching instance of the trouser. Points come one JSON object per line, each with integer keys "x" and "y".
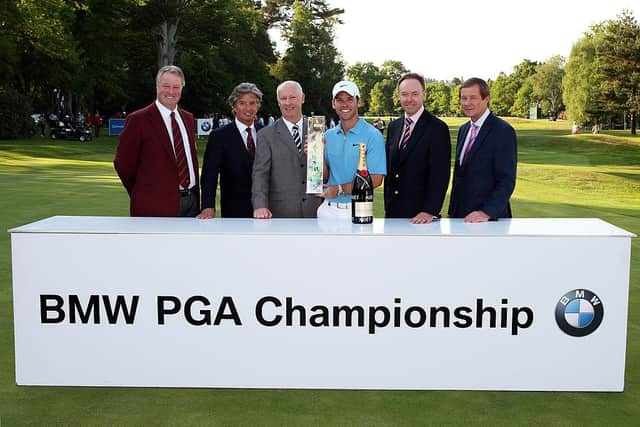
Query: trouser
{"x": 330, "y": 209}
{"x": 189, "y": 204}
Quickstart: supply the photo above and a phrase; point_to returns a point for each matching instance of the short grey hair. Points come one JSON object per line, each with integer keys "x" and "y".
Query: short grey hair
{"x": 172, "y": 69}
{"x": 289, "y": 82}
{"x": 242, "y": 89}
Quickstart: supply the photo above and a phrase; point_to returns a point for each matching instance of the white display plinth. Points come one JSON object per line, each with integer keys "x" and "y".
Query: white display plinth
{"x": 102, "y": 301}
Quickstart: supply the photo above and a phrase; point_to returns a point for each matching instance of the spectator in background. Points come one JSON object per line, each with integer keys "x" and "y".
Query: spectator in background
{"x": 595, "y": 129}
{"x": 42, "y": 124}
{"x": 574, "y": 129}
{"x": 97, "y": 123}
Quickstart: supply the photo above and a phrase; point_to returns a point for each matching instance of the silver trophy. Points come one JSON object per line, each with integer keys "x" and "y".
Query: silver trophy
{"x": 315, "y": 154}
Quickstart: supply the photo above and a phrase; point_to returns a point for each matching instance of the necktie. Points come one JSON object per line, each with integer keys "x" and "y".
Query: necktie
{"x": 296, "y": 138}
{"x": 181, "y": 157}
{"x": 472, "y": 139}
{"x": 251, "y": 146}
{"x": 407, "y": 133}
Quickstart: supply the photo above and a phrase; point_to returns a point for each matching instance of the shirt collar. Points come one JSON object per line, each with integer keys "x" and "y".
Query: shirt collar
{"x": 241, "y": 126}
{"x": 290, "y": 125}
{"x": 416, "y": 116}
{"x": 164, "y": 111}
{"x": 482, "y": 118}
{"x": 356, "y": 129}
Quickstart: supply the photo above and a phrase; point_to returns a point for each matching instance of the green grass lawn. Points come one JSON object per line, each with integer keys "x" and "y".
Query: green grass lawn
{"x": 559, "y": 175}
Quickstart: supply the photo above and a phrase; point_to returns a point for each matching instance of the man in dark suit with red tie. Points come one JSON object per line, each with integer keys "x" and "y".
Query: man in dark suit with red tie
{"x": 484, "y": 173}
{"x": 418, "y": 157}
{"x": 229, "y": 155}
{"x": 156, "y": 157}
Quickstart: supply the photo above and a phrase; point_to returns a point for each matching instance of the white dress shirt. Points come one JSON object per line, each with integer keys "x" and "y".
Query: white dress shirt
{"x": 166, "y": 117}
{"x": 478, "y": 124}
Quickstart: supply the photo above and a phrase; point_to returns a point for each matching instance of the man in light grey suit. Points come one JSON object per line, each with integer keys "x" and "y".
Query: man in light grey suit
{"x": 280, "y": 166}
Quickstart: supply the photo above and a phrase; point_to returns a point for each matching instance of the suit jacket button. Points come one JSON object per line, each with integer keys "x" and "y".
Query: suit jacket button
{"x": 395, "y": 192}
{"x": 397, "y": 175}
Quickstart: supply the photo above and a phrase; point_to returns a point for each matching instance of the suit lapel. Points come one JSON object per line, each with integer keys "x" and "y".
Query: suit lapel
{"x": 482, "y": 134}
{"x": 462, "y": 135}
{"x": 415, "y": 137}
{"x": 237, "y": 136}
{"x": 395, "y": 137}
{"x": 162, "y": 133}
{"x": 286, "y": 137}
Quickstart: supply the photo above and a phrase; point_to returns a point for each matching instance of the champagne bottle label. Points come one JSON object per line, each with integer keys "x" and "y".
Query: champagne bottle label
{"x": 364, "y": 209}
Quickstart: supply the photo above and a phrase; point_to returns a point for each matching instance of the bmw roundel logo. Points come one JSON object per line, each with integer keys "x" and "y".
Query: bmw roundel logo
{"x": 205, "y": 126}
{"x": 579, "y": 312}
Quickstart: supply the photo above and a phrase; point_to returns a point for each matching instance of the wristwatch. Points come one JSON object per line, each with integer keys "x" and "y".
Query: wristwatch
{"x": 340, "y": 192}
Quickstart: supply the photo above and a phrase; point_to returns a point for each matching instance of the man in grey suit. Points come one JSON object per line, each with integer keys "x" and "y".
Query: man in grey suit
{"x": 280, "y": 167}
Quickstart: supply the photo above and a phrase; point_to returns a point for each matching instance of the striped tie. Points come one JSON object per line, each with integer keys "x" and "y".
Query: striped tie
{"x": 407, "y": 133}
{"x": 472, "y": 139}
{"x": 296, "y": 138}
{"x": 181, "y": 157}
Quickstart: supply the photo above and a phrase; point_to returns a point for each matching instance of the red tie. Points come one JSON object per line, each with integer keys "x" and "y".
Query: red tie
{"x": 407, "y": 133}
{"x": 251, "y": 146}
{"x": 181, "y": 157}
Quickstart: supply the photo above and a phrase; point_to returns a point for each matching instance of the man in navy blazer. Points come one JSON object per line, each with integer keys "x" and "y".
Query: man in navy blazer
{"x": 146, "y": 158}
{"x": 229, "y": 155}
{"x": 484, "y": 173}
{"x": 418, "y": 157}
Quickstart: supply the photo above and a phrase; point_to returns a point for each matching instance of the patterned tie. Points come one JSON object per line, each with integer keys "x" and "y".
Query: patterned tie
{"x": 407, "y": 133}
{"x": 472, "y": 139}
{"x": 296, "y": 138}
{"x": 251, "y": 146}
{"x": 181, "y": 157}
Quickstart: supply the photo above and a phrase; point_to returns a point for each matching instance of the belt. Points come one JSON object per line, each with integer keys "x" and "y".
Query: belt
{"x": 339, "y": 205}
{"x": 188, "y": 192}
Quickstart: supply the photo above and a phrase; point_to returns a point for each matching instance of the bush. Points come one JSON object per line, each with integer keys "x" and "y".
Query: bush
{"x": 15, "y": 114}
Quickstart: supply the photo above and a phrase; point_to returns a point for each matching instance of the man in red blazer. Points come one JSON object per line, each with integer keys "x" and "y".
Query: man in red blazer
{"x": 160, "y": 176}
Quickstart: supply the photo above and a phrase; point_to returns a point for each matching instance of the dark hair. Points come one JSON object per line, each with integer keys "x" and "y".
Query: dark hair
{"x": 473, "y": 81}
{"x": 414, "y": 76}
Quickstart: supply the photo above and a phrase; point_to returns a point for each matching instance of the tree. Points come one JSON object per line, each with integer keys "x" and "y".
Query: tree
{"x": 365, "y": 75}
{"x": 37, "y": 33}
{"x": 519, "y": 81}
{"x": 393, "y": 70}
{"x": 218, "y": 51}
{"x": 279, "y": 13}
{"x": 454, "y": 105}
{"x": 438, "y": 99}
{"x": 502, "y": 95}
{"x": 522, "y": 103}
{"x": 547, "y": 84}
{"x": 582, "y": 81}
{"x": 311, "y": 58}
{"x": 617, "y": 44}
{"x": 382, "y": 97}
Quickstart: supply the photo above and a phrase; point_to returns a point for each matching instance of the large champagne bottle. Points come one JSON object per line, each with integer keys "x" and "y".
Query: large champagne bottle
{"x": 362, "y": 192}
